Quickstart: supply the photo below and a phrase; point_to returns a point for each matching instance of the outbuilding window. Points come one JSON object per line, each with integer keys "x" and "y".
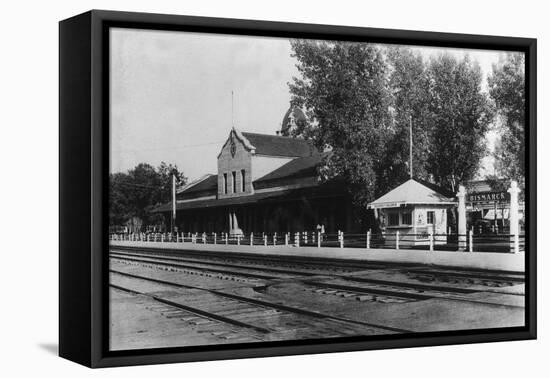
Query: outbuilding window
{"x": 430, "y": 217}
{"x": 406, "y": 218}
{"x": 393, "y": 219}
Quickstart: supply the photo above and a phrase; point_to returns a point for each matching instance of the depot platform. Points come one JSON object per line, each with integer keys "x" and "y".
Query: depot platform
{"x": 509, "y": 262}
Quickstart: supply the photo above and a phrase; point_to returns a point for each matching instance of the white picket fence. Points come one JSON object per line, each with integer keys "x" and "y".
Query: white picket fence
{"x": 367, "y": 240}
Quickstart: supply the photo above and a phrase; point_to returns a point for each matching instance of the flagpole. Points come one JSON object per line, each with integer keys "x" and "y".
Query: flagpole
{"x": 410, "y": 147}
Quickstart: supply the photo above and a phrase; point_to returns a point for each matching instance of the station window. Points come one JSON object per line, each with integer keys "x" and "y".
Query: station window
{"x": 430, "y": 217}
{"x": 225, "y": 183}
{"x": 406, "y": 218}
{"x": 393, "y": 219}
{"x": 234, "y": 181}
{"x": 243, "y": 186}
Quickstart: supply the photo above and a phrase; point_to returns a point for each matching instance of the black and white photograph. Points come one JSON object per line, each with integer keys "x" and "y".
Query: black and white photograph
{"x": 244, "y": 189}
{"x": 271, "y": 189}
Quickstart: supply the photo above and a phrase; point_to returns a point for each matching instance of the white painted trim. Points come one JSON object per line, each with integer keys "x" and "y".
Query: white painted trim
{"x": 244, "y": 141}
{"x": 196, "y": 199}
{"x": 388, "y": 205}
{"x": 286, "y": 187}
{"x": 279, "y": 156}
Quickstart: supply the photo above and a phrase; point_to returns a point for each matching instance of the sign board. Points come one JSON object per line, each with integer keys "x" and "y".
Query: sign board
{"x": 489, "y": 197}
{"x": 386, "y": 205}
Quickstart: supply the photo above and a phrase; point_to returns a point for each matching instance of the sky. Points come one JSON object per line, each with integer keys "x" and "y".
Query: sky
{"x": 171, "y": 94}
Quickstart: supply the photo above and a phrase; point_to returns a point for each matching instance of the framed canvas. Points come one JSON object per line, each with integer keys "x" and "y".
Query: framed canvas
{"x": 235, "y": 188}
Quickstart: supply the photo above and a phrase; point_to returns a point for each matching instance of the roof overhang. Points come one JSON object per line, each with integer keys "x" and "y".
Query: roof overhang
{"x": 282, "y": 194}
{"x": 389, "y": 205}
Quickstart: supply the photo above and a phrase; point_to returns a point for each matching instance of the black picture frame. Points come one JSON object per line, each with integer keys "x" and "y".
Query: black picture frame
{"x": 84, "y": 157}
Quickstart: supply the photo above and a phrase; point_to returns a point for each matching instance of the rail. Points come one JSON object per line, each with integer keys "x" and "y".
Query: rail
{"x": 469, "y": 242}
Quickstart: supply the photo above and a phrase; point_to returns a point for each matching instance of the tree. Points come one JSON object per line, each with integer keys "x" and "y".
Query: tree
{"x": 343, "y": 89}
{"x": 359, "y": 99}
{"x": 165, "y": 172}
{"x": 507, "y": 89}
{"x": 460, "y": 117}
{"x": 134, "y": 194}
{"x": 118, "y": 201}
{"x": 408, "y": 84}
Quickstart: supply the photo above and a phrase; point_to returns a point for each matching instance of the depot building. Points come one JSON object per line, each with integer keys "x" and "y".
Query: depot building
{"x": 264, "y": 183}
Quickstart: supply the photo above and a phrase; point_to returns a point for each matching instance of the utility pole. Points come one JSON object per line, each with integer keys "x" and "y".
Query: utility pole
{"x": 173, "y": 223}
{"x": 411, "y": 146}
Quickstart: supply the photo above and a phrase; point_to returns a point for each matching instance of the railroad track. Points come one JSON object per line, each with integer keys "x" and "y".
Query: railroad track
{"x": 365, "y": 289}
{"x": 362, "y": 289}
{"x": 269, "y": 314}
{"x": 275, "y": 299}
{"x": 207, "y": 263}
{"x": 281, "y": 263}
{"x": 387, "y": 292}
{"x": 301, "y": 266}
{"x": 265, "y": 318}
{"x": 191, "y": 268}
{"x": 190, "y": 310}
{"x": 472, "y": 277}
{"x": 382, "y": 291}
{"x": 218, "y": 326}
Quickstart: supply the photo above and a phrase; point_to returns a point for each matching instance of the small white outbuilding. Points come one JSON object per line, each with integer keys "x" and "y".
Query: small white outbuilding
{"x": 413, "y": 210}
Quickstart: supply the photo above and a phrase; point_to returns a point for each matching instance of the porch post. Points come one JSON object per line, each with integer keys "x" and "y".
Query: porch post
{"x": 461, "y": 218}
{"x": 514, "y": 216}
{"x": 235, "y": 222}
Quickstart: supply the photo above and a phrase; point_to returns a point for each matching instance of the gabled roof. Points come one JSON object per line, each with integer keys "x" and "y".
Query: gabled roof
{"x": 274, "y": 145}
{"x": 206, "y": 182}
{"x": 298, "y": 168}
{"x": 436, "y": 188}
{"x": 411, "y": 192}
